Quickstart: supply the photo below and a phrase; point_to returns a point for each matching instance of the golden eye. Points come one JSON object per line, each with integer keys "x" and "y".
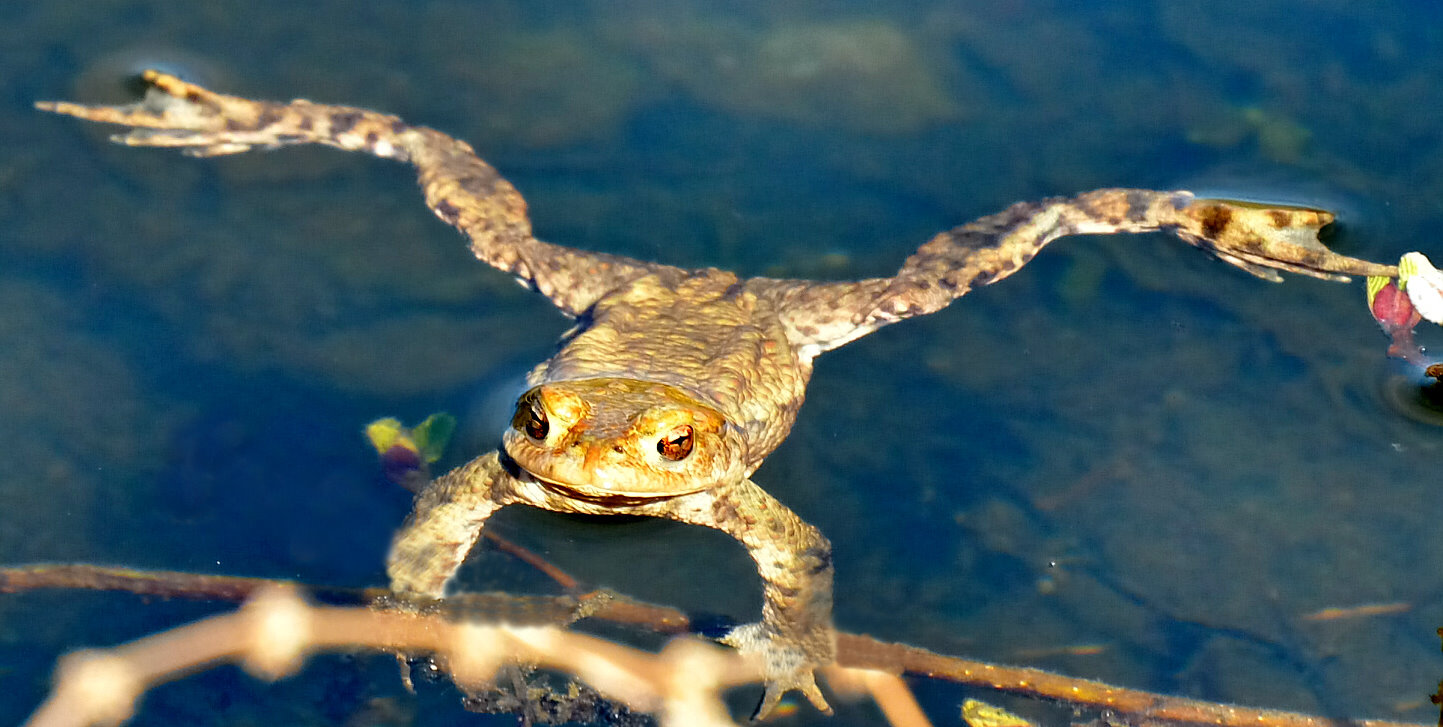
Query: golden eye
{"x": 531, "y": 418}
{"x": 676, "y": 445}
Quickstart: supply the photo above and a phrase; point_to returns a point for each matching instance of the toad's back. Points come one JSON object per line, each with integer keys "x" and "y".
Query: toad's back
{"x": 704, "y": 332}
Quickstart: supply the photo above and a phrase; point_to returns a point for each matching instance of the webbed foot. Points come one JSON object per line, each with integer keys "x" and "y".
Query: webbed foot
{"x": 174, "y": 113}
{"x": 786, "y": 664}
{"x": 1263, "y": 239}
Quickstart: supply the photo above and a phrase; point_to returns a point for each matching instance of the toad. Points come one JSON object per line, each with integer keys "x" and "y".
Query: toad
{"x": 675, "y": 384}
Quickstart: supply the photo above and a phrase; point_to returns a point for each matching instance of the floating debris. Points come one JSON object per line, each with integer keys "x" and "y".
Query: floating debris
{"x": 406, "y": 454}
{"x": 1366, "y": 610}
{"x": 1092, "y": 649}
{"x": 1424, "y": 285}
{"x": 1399, "y": 305}
{"x": 977, "y": 713}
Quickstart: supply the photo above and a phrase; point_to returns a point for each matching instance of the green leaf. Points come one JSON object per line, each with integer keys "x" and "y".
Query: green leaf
{"x": 433, "y": 435}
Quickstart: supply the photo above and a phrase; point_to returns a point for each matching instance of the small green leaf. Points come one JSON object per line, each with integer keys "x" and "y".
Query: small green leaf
{"x": 433, "y": 435}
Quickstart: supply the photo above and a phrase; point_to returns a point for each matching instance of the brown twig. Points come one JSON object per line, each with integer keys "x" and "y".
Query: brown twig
{"x": 275, "y": 630}
{"x": 864, "y": 652}
{"x": 561, "y": 577}
{"x": 200, "y": 586}
{"x": 163, "y": 584}
{"x": 891, "y": 694}
{"x": 853, "y": 650}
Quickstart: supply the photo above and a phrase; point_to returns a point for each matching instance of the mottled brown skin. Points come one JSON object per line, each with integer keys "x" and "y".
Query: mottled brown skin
{"x": 676, "y": 384}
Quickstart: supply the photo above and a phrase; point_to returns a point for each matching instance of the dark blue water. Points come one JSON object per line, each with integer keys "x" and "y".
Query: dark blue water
{"x": 1127, "y": 462}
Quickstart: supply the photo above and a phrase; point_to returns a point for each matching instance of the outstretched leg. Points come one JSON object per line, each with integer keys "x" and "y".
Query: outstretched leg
{"x": 460, "y": 188}
{"x": 1256, "y": 238}
{"x": 444, "y": 525}
{"x": 1259, "y": 239}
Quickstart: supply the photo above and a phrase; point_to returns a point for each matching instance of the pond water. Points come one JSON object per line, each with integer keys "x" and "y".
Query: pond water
{"x": 1127, "y": 462}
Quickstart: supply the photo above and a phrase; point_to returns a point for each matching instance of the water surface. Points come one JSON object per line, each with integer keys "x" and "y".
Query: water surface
{"x": 1128, "y": 462}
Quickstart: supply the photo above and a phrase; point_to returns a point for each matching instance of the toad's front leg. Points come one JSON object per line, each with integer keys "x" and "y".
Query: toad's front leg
{"x": 444, "y": 525}
{"x": 795, "y": 635}
{"x": 460, "y": 188}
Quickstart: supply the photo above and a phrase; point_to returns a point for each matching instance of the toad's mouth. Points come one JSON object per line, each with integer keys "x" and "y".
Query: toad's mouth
{"x": 594, "y": 495}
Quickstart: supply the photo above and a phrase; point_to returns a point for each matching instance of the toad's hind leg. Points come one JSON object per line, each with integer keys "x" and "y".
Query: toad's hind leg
{"x": 460, "y": 188}
{"x": 1257, "y": 238}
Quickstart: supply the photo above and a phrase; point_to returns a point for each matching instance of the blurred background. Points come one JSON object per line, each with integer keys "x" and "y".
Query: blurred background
{"x": 1127, "y": 462}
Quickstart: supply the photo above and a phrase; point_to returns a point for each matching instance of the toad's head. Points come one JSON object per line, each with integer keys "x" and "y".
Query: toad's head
{"x": 621, "y": 439}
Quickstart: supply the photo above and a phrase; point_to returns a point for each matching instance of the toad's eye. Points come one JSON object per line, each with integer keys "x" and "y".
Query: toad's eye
{"x": 676, "y": 444}
{"x": 531, "y": 418}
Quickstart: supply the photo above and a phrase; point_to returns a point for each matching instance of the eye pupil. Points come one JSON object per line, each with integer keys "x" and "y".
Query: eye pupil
{"x": 676, "y": 445}
{"x": 531, "y": 419}
{"x": 536, "y": 425}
